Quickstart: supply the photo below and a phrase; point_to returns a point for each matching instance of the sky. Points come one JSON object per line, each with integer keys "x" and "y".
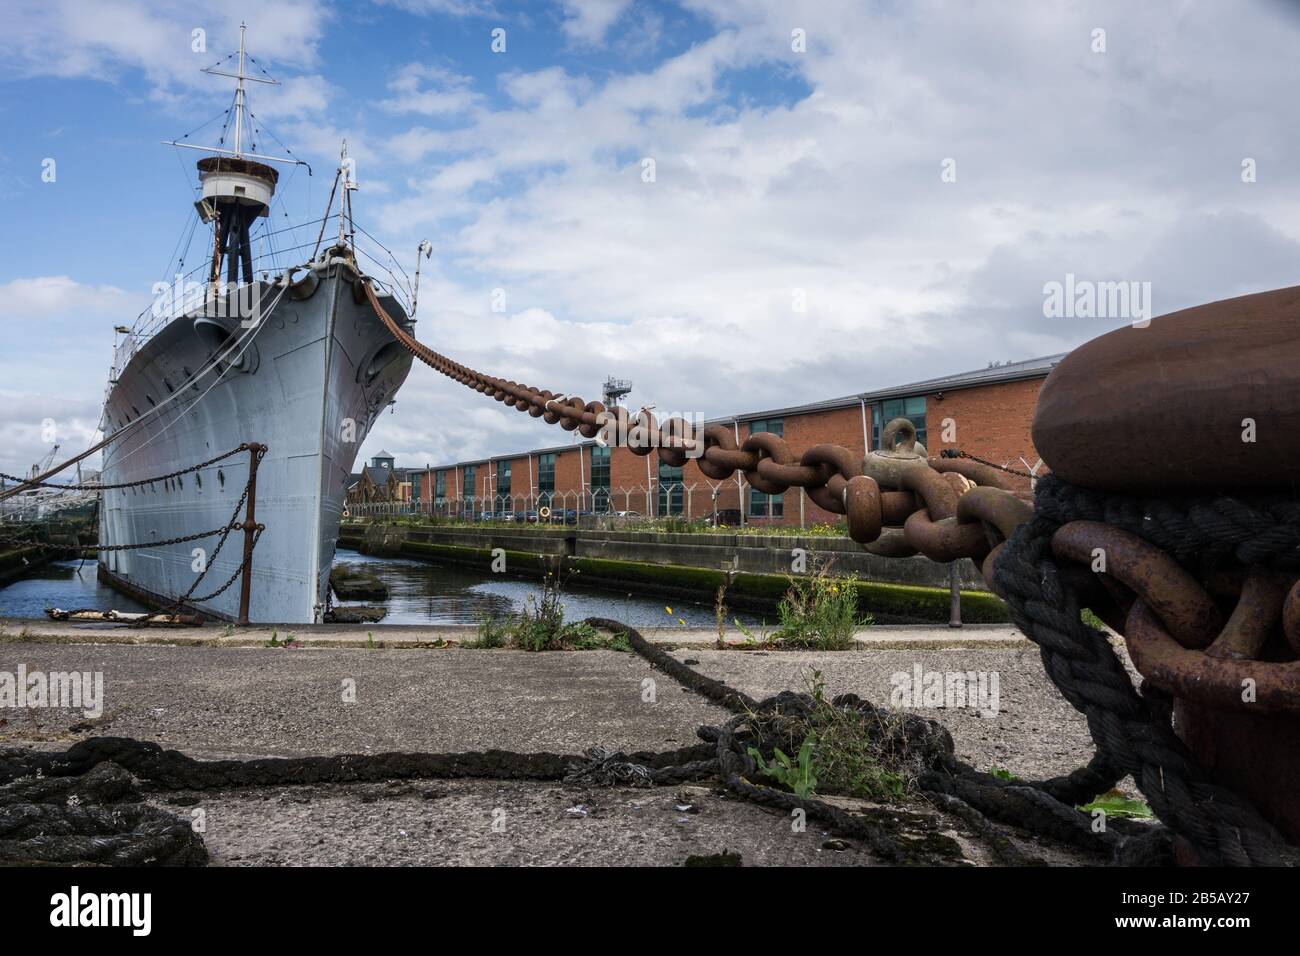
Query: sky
{"x": 845, "y": 195}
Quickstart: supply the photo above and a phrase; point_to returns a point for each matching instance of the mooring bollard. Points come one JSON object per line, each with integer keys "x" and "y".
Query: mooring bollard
{"x": 1175, "y": 458}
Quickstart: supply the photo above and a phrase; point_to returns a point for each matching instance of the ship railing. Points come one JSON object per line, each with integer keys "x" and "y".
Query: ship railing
{"x": 277, "y": 252}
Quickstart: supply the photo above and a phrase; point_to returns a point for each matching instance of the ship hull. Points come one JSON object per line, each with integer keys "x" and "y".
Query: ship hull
{"x": 318, "y": 371}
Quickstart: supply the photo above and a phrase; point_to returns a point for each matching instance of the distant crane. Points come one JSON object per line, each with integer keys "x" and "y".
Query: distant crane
{"x": 45, "y": 462}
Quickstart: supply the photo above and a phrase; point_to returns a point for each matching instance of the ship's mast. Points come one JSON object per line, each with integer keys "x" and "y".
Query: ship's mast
{"x": 239, "y": 93}
{"x": 237, "y": 185}
{"x": 240, "y": 101}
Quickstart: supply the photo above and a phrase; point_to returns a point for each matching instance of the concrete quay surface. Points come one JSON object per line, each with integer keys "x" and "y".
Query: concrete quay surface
{"x": 217, "y": 701}
{"x": 43, "y": 630}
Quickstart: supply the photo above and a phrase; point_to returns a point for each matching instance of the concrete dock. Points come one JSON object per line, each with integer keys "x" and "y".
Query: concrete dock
{"x": 213, "y": 694}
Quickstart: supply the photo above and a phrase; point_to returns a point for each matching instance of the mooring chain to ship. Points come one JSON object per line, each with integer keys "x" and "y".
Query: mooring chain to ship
{"x": 232, "y": 525}
{"x": 932, "y": 500}
{"x": 104, "y": 548}
{"x": 957, "y": 453}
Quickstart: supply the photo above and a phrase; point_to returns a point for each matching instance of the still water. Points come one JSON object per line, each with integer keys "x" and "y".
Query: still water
{"x": 419, "y": 593}
{"x": 69, "y": 585}
{"x": 422, "y": 593}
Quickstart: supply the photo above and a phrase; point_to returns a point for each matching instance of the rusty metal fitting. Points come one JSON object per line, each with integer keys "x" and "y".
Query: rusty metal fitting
{"x": 1246, "y": 685}
{"x": 1161, "y": 583}
{"x": 767, "y": 446}
{"x": 946, "y": 539}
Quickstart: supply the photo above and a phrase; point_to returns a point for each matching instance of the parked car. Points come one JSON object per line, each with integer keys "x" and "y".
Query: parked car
{"x": 627, "y": 514}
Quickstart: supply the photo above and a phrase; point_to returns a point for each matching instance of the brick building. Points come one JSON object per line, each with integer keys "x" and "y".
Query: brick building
{"x": 985, "y": 412}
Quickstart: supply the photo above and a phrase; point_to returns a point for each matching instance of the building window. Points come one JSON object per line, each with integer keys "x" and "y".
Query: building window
{"x": 440, "y": 484}
{"x": 763, "y": 505}
{"x": 671, "y": 494}
{"x": 912, "y": 409}
{"x": 415, "y": 486}
{"x": 545, "y": 477}
{"x": 600, "y": 478}
{"x": 468, "y": 474}
{"x": 503, "y": 486}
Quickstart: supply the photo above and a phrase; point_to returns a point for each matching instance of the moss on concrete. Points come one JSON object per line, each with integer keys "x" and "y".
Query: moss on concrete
{"x": 745, "y": 590}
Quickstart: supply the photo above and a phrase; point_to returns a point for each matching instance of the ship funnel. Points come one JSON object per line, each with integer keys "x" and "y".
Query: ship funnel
{"x": 235, "y": 193}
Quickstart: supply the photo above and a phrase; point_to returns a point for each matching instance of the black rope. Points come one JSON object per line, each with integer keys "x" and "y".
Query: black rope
{"x": 952, "y": 786}
{"x": 1132, "y": 731}
{"x": 1202, "y": 532}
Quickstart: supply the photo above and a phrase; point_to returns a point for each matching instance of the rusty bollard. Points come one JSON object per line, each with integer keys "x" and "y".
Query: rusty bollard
{"x": 1186, "y": 433}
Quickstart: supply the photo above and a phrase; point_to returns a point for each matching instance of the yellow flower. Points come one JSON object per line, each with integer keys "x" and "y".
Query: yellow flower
{"x": 681, "y": 622}
{"x": 668, "y": 610}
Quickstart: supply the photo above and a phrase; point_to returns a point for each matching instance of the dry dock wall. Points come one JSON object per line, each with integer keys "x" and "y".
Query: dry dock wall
{"x": 753, "y": 568}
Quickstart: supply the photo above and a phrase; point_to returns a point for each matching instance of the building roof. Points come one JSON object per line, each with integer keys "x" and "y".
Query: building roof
{"x": 991, "y": 375}
{"x": 994, "y": 374}
{"x": 383, "y": 454}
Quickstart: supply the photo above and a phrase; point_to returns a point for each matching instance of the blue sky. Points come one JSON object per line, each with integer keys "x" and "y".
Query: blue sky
{"x": 782, "y": 174}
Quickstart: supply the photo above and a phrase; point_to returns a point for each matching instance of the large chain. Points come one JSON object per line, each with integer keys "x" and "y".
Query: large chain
{"x": 932, "y": 499}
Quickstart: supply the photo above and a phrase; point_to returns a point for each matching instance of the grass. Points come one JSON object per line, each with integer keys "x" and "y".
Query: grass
{"x": 839, "y": 751}
{"x": 290, "y": 640}
{"x": 493, "y": 632}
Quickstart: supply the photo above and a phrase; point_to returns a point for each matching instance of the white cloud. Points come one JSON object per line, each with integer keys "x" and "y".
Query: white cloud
{"x": 430, "y": 90}
{"x": 1101, "y": 164}
{"x": 57, "y": 297}
{"x": 587, "y": 21}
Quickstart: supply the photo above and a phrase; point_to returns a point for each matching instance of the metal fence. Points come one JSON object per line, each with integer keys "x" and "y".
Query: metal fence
{"x": 675, "y": 500}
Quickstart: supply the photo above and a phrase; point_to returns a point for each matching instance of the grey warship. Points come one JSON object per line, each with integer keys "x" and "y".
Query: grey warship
{"x": 293, "y": 358}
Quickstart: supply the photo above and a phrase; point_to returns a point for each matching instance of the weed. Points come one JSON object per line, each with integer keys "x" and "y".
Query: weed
{"x": 759, "y": 639}
{"x": 797, "y": 777}
{"x": 1115, "y": 804}
{"x": 1092, "y": 620}
{"x": 848, "y": 752}
{"x": 540, "y": 626}
{"x": 493, "y": 631}
{"x": 819, "y": 612}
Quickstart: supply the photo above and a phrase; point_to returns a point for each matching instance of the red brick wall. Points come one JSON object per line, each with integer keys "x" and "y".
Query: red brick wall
{"x": 991, "y": 421}
{"x": 568, "y": 477}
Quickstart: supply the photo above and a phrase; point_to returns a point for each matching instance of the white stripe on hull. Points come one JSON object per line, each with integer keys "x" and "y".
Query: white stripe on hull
{"x": 313, "y": 364}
